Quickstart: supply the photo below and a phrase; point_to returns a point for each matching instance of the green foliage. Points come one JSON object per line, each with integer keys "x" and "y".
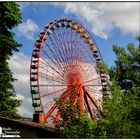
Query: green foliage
{"x": 121, "y": 117}
{"x": 107, "y": 125}
{"x": 102, "y": 129}
{"x": 127, "y": 67}
{"x": 8, "y": 107}
{"x": 73, "y": 124}
{"x": 10, "y": 17}
{"x": 80, "y": 127}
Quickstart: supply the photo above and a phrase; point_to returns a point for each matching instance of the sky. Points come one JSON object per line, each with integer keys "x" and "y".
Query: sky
{"x": 109, "y": 23}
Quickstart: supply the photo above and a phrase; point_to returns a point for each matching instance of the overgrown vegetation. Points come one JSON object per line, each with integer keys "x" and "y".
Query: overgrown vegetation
{"x": 79, "y": 127}
{"x": 124, "y": 108}
{"x": 10, "y": 17}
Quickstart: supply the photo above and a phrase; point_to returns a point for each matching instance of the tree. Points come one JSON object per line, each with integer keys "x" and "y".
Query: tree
{"x": 121, "y": 120}
{"x": 79, "y": 127}
{"x": 10, "y": 17}
{"x": 73, "y": 124}
{"x": 127, "y": 73}
{"x": 127, "y": 67}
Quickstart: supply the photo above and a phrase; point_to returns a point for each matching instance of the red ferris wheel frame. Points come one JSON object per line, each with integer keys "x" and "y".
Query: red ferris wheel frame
{"x": 69, "y": 73}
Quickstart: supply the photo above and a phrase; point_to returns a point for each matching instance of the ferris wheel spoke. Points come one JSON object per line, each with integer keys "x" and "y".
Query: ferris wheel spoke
{"x": 77, "y": 54}
{"x": 91, "y": 73}
{"x": 84, "y": 73}
{"x": 83, "y": 64}
{"x": 44, "y": 54}
{"x": 51, "y": 72}
{"x": 61, "y": 42}
{"x": 57, "y": 49}
{"x": 83, "y": 54}
{"x": 51, "y": 85}
{"x": 73, "y": 47}
{"x": 93, "y": 90}
{"x": 69, "y": 47}
{"x": 51, "y": 78}
{"x": 62, "y": 45}
{"x": 78, "y": 43}
{"x": 57, "y": 59}
{"x": 54, "y": 92}
{"x": 98, "y": 85}
{"x": 90, "y": 80}
{"x": 71, "y": 44}
{"x": 48, "y": 104}
{"x": 55, "y": 62}
{"x": 86, "y": 67}
{"x": 58, "y": 72}
{"x": 61, "y": 51}
{"x": 69, "y": 56}
{"x": 67, "y": 40}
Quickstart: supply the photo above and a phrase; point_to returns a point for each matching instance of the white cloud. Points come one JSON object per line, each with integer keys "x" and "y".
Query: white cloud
{"x": 20, "y": 65}
{"x": 103, "y": 17}
{"x": 27, "y": 29}
{"x": 25, "y": 109}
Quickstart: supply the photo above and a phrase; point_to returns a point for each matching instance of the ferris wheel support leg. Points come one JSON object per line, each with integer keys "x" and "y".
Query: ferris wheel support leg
{"x": 50, "y": 111}
{"x": 89, "y": 107}
{"x": 93, "y": 101}
{"x": 57, "y": 118}
{"x": 53, "y": 107}
{"x": 75, "y": 101}
{"x": 56, "y": 104}
{"x": 72, "y": 105}
{"x": 81, "y": 100}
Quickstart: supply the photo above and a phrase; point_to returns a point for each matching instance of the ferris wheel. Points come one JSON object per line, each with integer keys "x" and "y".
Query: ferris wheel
{"x": 63, "y": 71}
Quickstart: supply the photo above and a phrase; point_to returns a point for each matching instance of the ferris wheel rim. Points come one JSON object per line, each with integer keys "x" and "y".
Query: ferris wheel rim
{"x": 51, "y": 25}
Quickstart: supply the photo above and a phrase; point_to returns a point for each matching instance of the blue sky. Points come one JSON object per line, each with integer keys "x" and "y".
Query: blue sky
{"x": 41, "y": 13}
{"x": 108, "y": 22}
